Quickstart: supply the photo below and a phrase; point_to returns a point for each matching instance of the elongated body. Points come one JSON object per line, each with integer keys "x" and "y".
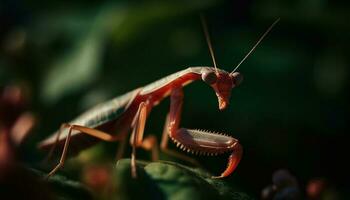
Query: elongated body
{"x": 118, "y": 113}
{"x": 130, "y": 111}
{"x": 116, "y": 116}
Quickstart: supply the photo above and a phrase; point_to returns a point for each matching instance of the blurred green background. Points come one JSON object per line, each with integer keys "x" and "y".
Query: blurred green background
{"x": 290, "y": 111}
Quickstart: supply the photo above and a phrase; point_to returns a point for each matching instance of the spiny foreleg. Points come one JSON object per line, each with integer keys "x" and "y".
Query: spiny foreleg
{"x": 199, "y": 141}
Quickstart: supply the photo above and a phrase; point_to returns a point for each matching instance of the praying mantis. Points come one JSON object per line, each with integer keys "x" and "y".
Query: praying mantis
{"x": 131, "y": 110}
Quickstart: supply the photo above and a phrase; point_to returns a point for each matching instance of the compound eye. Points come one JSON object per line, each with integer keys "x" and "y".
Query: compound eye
{"x": 209, "y": 77}
{"x": 237, "y": 78}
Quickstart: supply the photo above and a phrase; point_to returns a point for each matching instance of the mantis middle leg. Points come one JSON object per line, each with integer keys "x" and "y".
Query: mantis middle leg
{"x": 136, "y": 139}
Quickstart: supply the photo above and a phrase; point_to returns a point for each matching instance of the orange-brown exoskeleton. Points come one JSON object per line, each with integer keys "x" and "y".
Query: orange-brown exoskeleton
{"x": 130, "y": 111}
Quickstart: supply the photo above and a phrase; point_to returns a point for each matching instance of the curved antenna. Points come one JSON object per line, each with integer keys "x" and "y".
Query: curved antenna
{"x": 207, "y": 37}
{"x": 260, "y": 39}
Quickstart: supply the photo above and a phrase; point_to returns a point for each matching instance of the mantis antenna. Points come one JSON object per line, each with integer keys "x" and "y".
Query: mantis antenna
{"x": 251, "y": 50}
{"x": 207, "y": 37}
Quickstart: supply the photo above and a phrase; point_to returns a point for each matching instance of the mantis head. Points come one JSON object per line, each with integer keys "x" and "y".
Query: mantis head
{"x": 222, "y": 83}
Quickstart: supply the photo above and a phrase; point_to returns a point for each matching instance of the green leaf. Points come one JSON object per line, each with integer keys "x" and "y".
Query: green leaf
{"x": 63, "y": 188}
{"x": 168, "y": 180}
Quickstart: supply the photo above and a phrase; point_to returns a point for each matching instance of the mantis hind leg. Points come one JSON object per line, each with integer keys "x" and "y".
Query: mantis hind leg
{"x": 89, "y": 131}
{"x": 53, "y": 147}
{"x": 64, "y": 152}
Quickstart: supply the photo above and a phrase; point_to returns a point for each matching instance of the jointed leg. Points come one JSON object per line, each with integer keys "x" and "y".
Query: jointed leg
{"x": 165, "y": 149}
{"x": 147, "y": 146}
{"x": 198, "y": 141}
{"x": 176, "y": 101}
{"x": 52, "y": 149}
{"x": 150, "y": 143}
{"x": 173, "y": 122}
{"x": 64, "y": 152}
{"x": 136, "y": 139}
{"x": 92, "y": 132}
{"x": 121, "y": 148}
{"x": 137, "y": 134}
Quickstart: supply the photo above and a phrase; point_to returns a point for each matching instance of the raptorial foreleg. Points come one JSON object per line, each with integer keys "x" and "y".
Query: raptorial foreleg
{"x": 200, "y": 141}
